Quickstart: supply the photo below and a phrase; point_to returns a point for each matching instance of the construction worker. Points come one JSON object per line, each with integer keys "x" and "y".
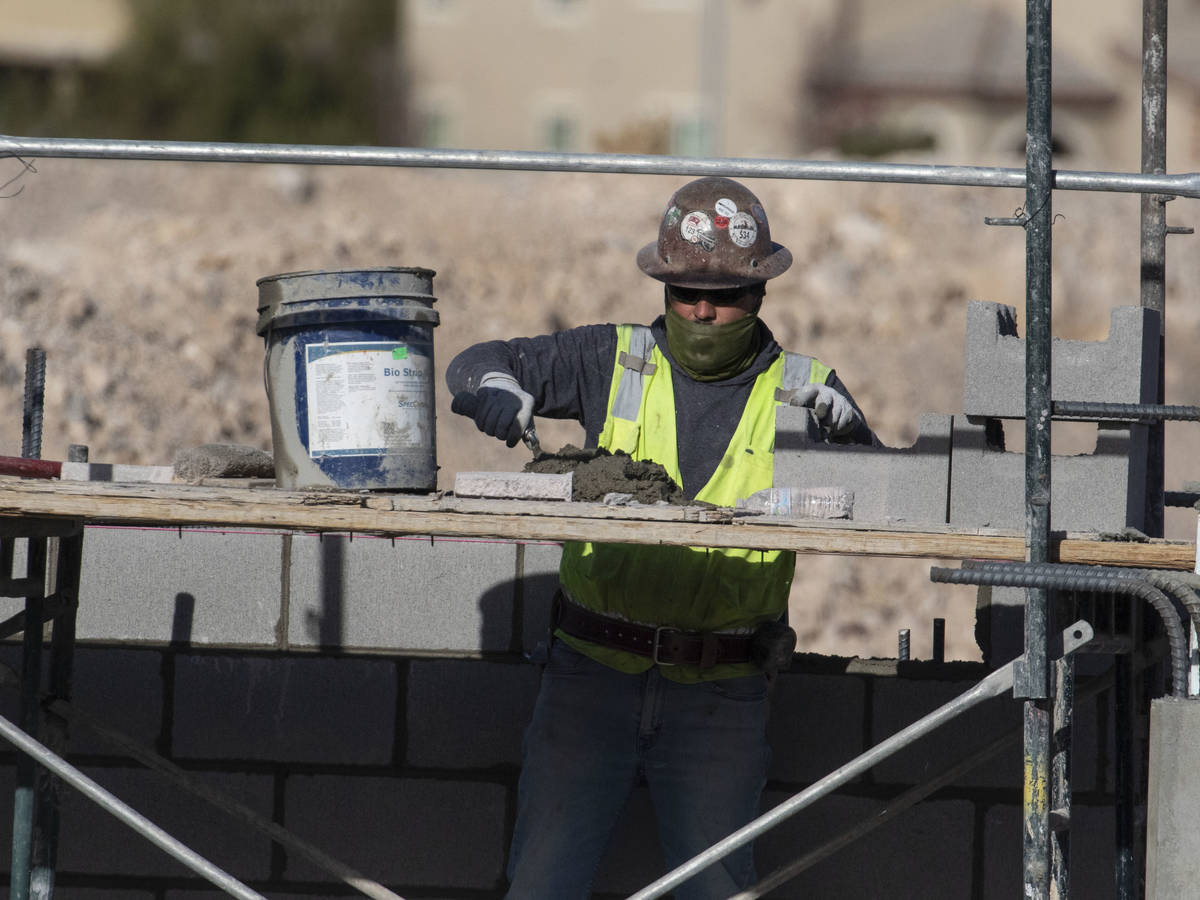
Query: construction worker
{"x": 659, "y": 665}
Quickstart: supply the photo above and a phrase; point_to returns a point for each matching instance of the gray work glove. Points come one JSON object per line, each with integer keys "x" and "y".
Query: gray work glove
{"x": 503, "y": 409}
{"x": 832, "y": 409}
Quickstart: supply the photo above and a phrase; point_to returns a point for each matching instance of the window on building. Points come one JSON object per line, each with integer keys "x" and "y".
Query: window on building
{"x": 560, "y": 133}
{"x": 434, "y": 129}
{"x": 562, "y": 10}
{"x": 690, "y": 137}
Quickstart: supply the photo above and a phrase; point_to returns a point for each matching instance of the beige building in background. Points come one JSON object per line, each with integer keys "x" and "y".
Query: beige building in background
{"x": 60, "y": 32}
{"x": 694, "y": 77}
{"x": 787, "y": 79}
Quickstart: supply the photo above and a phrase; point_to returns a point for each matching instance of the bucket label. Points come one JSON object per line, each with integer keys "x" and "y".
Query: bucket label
{"x": 367, "y": 398}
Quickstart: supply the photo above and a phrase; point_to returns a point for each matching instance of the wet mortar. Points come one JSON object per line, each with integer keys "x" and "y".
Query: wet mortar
{"x": 598, "y": 472}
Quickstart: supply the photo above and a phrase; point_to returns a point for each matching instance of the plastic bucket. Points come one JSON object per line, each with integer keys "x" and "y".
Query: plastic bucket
{"x": 349, "y": 376}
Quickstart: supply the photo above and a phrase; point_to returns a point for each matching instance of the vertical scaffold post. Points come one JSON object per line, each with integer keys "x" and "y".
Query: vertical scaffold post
{"x": 1033, "y": 684}
{"x": 1154, "y": 229}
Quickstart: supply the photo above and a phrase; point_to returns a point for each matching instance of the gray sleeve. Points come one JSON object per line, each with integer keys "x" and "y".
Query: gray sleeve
{"x": 568, "y": 372}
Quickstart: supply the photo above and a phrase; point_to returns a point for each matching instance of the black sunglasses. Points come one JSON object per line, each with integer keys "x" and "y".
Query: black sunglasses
{"x": 717, "y": 297}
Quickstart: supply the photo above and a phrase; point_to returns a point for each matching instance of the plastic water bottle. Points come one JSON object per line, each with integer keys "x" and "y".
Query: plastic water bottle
{"x": 801, "y": 503}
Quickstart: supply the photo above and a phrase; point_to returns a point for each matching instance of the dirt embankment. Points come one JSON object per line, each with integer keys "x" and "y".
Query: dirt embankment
{"x": 138, "y": 281}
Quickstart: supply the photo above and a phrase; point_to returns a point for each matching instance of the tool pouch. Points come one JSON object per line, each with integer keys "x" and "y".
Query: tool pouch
{"x": 772, "y": 646}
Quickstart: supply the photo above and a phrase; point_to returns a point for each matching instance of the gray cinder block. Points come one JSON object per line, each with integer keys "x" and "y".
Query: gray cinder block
{"x": 514, "y": 485}
{"x": 539, "y": 581}
{"x": 899, "y": 702}
{"x": 495, "y": 702}
{"x": 1100, "y": 491}
{"x": 197, "y": 586}
{"x": 104, "y": 681}
{"x": 1121, "y": 369}
{"x": 801, "y": 752}
{"x": 444, "y": 595}
{"x": 93, "y": 842}
{"x": 1172, "y": 839}
{"x": 412, "y": 831}
{"x": 927, "y": 851}
{"x": 316, "y": 710}
{"x": 909, "y": 484}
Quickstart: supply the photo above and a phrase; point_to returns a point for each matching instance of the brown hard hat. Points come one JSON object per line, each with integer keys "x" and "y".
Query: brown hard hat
{"x": 714, "y": 234}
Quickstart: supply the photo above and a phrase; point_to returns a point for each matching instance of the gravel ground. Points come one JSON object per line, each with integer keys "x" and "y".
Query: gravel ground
{"x": 138, "y": 280}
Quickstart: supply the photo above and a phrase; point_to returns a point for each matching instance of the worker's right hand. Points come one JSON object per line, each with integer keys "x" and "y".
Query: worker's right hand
{"x": 502, "y": 408}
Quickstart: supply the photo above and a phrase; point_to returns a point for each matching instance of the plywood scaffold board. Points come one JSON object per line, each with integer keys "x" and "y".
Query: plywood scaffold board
{"x": 259, "y": 504}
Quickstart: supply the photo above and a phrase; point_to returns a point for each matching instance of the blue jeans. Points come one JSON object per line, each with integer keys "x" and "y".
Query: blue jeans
{"x": 701, "y": 748}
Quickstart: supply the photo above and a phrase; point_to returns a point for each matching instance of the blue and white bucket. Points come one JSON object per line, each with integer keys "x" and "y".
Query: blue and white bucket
{"x": 350, "y": 379}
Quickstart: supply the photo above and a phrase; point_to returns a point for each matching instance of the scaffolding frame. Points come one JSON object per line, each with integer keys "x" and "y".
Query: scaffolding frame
{"x": 1047, "y": 697}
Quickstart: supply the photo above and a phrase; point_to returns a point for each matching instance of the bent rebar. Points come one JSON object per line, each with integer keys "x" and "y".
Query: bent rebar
{"x": 1048, "y": 575}
{"x": 1183, "y": 586}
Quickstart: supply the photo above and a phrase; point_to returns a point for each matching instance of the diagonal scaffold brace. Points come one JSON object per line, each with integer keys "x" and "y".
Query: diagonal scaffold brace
{"x": 996, "y": 684}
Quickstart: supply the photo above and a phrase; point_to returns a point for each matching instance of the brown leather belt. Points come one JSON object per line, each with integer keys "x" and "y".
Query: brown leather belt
{"x": 665, "y": 645}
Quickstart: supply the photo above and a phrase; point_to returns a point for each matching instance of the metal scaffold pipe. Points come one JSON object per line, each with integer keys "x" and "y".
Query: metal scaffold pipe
{"x": 1182, "y": 185}
{"x": 121, "y": 810}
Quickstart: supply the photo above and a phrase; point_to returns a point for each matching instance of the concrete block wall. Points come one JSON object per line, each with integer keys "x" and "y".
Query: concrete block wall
{"x": 958, "y": 470}
{"x": 370, "y": 696}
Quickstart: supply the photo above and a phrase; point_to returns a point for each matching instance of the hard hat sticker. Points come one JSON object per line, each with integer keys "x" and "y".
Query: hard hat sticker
{"x": 697, "y": 228}
{"x": 726, "y": 207}
{"x": 743, "y": 230}
{"x": 721, "y": 221}
{"x": 672, "y": 216}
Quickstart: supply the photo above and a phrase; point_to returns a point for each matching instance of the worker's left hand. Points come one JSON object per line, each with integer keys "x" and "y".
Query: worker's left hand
{"x": 832, "y": 409}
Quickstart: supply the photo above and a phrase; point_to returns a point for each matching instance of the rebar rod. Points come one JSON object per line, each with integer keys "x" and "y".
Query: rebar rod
{"x": 1026, "y": 575}
{"x": 35, "y": 389}
{"x": 1128, "y": 412}
{"x": 993, "y": 685}
{"x": 1182, "y": 185}
{"x": 115, "y": 806}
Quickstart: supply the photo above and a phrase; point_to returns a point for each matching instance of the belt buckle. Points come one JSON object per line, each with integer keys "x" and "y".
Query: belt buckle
{"x": 658, "y": 633}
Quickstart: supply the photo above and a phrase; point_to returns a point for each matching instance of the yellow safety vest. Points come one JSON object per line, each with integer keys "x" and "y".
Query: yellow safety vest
{"x": 690, "y": 588}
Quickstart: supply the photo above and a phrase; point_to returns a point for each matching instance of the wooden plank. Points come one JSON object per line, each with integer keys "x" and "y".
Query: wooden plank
{"x": 387, "y": 514}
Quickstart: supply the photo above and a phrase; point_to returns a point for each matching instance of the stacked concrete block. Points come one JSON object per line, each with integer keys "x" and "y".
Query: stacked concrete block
{"x": 1100, "y": 491}
{"x": 406, "y": 769}
{"x": 909, "y": 484}
{"x": 958, "y": 470}
{"x": 1103, "y": 491}
{"x": 422, "y": 595}
{"x": 261, "y": 589}
{"x": 190, "y": 585}
{"x": 1172, "y": 843}
{"x": 1121, "y": 369}
{"x": 425, "y": 594}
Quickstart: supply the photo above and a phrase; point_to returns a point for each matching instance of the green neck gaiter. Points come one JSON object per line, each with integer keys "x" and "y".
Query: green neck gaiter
{"x": 712, "y": 352}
